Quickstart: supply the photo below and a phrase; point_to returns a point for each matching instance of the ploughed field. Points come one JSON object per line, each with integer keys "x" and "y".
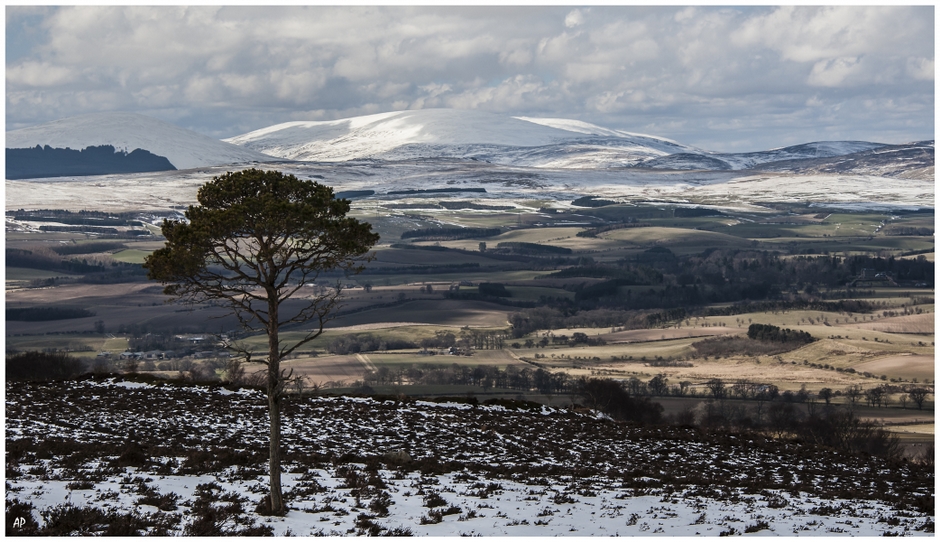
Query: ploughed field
{"x": 109, "y": 456}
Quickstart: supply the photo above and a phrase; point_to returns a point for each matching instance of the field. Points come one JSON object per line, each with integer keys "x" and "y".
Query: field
{"x": 894, "y": 345}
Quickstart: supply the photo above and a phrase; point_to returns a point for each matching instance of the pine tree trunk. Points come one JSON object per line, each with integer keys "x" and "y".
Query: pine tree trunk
{"x": 274, "y": 461}
{"x": 274, "y": 411}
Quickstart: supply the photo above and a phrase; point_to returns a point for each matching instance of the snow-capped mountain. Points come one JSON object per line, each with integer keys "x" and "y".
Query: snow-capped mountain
{"x": 453, "y": 133}
{"x": 498, "y": 139}
{"x": 127, "y": 143}
{"x": 127, "y": 132}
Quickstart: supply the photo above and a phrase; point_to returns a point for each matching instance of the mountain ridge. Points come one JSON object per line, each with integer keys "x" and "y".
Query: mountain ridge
{"x": 540, "y": 143}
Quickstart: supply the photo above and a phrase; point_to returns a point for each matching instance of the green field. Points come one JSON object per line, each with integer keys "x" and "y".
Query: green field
{"x": 131, "y": 255}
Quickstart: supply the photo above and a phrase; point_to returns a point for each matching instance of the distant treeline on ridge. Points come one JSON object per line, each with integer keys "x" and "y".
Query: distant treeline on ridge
{"x": 442, "y": 234}
{"x": 46, "y": 161}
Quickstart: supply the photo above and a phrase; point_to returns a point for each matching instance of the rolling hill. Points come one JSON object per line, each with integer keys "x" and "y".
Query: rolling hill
{"x": 125, "y": 133}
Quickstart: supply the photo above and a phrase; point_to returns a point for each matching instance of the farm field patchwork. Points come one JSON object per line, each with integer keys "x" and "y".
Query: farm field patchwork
{"x": 630, "y": 304}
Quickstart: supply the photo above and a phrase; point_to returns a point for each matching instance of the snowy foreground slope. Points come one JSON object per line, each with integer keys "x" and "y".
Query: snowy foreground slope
{"x": 171, "y": 457}
{"x": 184, "y": 149}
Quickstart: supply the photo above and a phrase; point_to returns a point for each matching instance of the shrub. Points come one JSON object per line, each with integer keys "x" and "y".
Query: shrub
{"x": 221, "y": 514}
{"x": 70, "y": 520}
{"x": 844, "y": 430}
{"x": 433, "y": 517}
{"x": 353, "y": 344}
{"x": 42, "y": 366}
{"x": 592, "y": 201}
{"x": 772, "y": 333}
{"x": 494, "y": 289}
{"x": 729, "y": 346}
{"x": 433, "y": 500}
{"x": 613, "y": 399}
{"x": 442, "y": 234}
{"x": 380, "y": 504}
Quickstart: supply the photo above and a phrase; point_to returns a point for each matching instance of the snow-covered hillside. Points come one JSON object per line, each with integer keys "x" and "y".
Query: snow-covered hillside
{"x": 505, "y": 140}
{"x": 184, "y": 149}
{"x": 453, "y": 133}
{"x": 192, "y": 461}
{"x": 439, "y": 134}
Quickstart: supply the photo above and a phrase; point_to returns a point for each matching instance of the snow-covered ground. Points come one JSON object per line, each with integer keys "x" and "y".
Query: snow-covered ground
{"x": 164, "y": 190}
{"x": 508, "y": 508}
{"x": 361, "y": 465}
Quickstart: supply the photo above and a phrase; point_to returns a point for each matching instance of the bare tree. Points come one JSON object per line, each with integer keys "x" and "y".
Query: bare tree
{"x": 253, "y": 242}
{"x": 902, "y": 400}
{"x": 853, "y": 393}
{"x": 742, "y": 389}
{"x": 234, "y": 371}
{"x": 657, "y": 385}
{"x": 717, "y": 388}
{"x": 875, "y": 396}
{"x": 918, "y": 396}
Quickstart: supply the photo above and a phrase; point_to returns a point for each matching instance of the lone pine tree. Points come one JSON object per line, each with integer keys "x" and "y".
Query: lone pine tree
{"x": 253, "y": 241}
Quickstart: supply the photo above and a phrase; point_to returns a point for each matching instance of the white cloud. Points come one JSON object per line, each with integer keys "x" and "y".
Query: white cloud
{"x": 812, "y": 34}
{"x": 39, "y": 74}
{"x": 832, "y": 73}
{"x": 921, "y": 69}
{"x": 683, "y": 70}
{"x": 515, "y": 57}
{"x": 574, "y": 18}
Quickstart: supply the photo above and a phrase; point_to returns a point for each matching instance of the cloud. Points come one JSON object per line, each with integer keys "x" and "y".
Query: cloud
{"x": 811, "y": 34}
{"x": 921, "y": 69}
{"x": 831, "y": 73}
{"x": 699, "y": 73}
{"x": 574, "y": 18}
{"x": 39, "y": 74}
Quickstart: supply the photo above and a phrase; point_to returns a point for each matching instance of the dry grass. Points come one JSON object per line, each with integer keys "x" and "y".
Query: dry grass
{"x": 785, "y": 375}
{"x": 340, "y": 369}
{"x": 914, "y": 431}
{"x": 349, "y": 368}
{"x": 645, "y": 335}
{"x": 907, "y": 366}
{"x": 673, "y": 236}
{"x": 499, "y": 358}
{"x": 438, "y": 311}
{"x": 912, "y": 323}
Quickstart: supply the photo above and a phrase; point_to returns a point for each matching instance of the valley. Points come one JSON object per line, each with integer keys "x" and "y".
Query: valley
{"x": 714, "y": 321}
{"x": 647, "y": 282}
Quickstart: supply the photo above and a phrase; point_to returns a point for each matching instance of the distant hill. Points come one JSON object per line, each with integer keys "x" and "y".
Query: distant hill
{"x": 908, "y": 161}
{"x": 430, "y": 134}
{"x": 454, "y": 133}
{"x": 124, "y": 133}
{"x": 505, "y": 140}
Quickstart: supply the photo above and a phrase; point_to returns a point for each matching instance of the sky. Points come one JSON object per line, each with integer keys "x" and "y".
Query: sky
{"x": 730, "y": 79}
